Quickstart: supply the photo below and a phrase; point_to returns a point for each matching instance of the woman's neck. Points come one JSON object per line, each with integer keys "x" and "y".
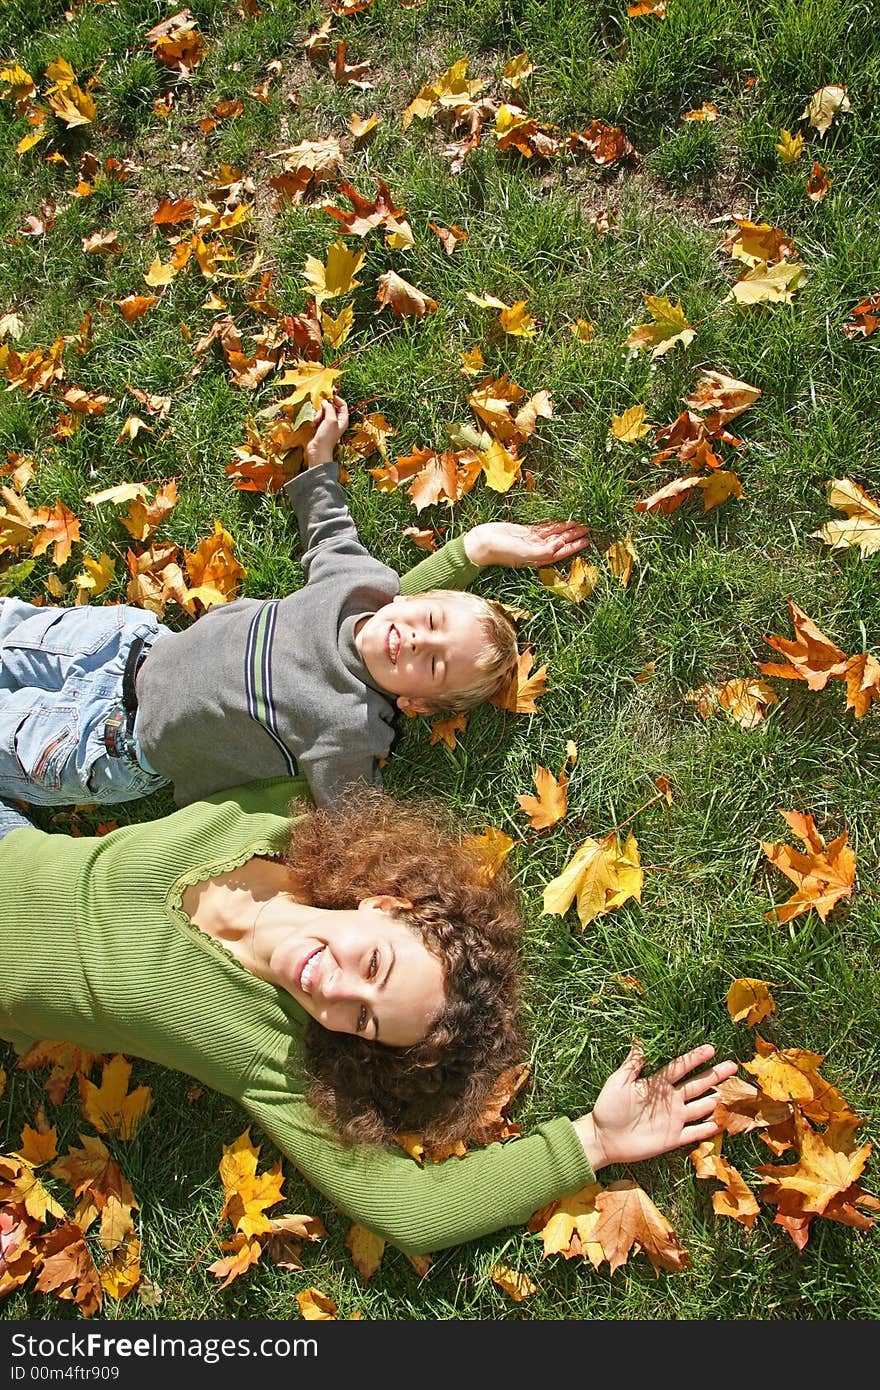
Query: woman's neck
{"x": 235, "y": 909}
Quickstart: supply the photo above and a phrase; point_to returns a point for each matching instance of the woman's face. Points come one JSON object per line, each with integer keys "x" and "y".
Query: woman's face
{"x": 364, "y": 972}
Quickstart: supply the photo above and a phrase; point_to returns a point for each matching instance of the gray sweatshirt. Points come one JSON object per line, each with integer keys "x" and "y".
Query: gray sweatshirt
{"x": 267, "y": 687}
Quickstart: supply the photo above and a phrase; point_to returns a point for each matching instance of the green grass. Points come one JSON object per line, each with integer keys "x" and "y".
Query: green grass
{"x": 707, "y": 589}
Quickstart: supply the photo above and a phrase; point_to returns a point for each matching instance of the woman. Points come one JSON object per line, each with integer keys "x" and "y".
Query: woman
{"x": 341, "y": 974}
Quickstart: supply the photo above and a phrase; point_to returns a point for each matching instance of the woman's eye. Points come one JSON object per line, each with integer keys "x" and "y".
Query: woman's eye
{"x": 374, "y": 965}
{"x": 431, "y": 621}
{"x": 362, "y": 1019}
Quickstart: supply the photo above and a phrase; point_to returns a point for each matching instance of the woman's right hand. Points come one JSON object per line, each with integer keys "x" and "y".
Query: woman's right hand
{"x": 634, "y": 1119}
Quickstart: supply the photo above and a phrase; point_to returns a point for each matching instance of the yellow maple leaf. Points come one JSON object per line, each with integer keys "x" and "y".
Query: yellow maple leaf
{"x": 516, "y": 70}
{"x": 109, "y": 1107}
{"x": 577, "y": 584}
{"x": 336, "y": 330}
{"x": 517, "y": 1285}
{"x": 337, "y": 275}
{"x": 500, "y": 466}
{"x": 583, "y": 330}
{"x": 313, "y": 381}
{"x": 96, "y": 575}
{"x": 315, "y": 1306}
{"x": 749, "y": 1001}
{"x": 366, "y": 1249}
{"x": 621, "y": 556}
{"x": 862, "y": 527}
{"x": 669, "y": 327}
{"x": 789, "y": 147}
{"x": 601, "y": 874}
{"x": 769, "y": 284}
{"x": 576, "y": 1216}
{"x": 630, "y": 425}
{"x": 490, "y": 849}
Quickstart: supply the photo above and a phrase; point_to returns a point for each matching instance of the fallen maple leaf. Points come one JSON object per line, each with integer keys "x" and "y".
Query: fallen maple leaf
{"x": 630, "y": 425}
{"x": 737, "y": 1199}
{"x": 601, "y": 874}
{"x": 621, "y": 556}
{"x": 445, "y": 730}
{"x": 822, "y": 876}
{"x": 315, "y": 1306}
{"x": 668, "y": 328}
{"x": 247, "y": 1193}
{"x": 366, "y": 1249}
{"x": 402, "y": 297}
{"x": 765, "y": 284}
{"x": 337, "y": 275}
{"x": 862, "y": 683}
{"x": 68, "y": 1270}
{"x": 522, "y": 692}
{"x": 490, "y": 849}
{"x": 818, "y": 183}
{"x": 566, "y": 1226}
{"x": 824, "y": 105}
{"x": 135, "y": 306}
{"x": 629, "y": 1222}
{"x": 246, "y": 1251}
{"x": 813, "y": 657}
{"x": 66, "y": 1061}
{"x": 743, "y": 700}
{"x": 757, "y": 243}
{"x": 60, "y": 530}
{"x": 864, "y": 317}
{"x": 862, "y": 527}
{"x": 551, "y": 803}
{"x": 749, "y": 1001}
{"x": 789, "y": 147}
{"x": 517, "y": 1285}
{"x": 110, "y": 1107}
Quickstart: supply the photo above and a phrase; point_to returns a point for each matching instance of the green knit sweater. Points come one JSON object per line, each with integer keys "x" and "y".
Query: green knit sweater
{"x": 96, "y": 950}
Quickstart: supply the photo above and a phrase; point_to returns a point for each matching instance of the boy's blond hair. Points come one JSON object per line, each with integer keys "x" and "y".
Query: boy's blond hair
{"x": 498, "y": 663}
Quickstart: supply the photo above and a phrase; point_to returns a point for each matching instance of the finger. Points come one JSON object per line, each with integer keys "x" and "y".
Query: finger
{"x": 700, "y": 1109}
{"x": 697, "y": 1134}
{"x": 680, "y": 1066}
{"x": 698, "y": 1085}
{"x": 633, "y": 1062}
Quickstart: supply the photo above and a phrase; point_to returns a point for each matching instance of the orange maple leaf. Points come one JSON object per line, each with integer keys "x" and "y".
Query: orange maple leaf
{"x": 822, "y": 876}
{"x": 813, "y": 657}
{"x": 521, "y": 693}
{"x": 630, "y": 1222}
{"x": 551, "y": 803}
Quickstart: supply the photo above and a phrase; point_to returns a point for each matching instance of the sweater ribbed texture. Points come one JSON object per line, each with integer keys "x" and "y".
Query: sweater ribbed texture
{"x": 95, "y": 950}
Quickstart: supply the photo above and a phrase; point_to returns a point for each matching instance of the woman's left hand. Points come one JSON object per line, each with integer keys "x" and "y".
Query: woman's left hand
{"x": 535, "y": 543}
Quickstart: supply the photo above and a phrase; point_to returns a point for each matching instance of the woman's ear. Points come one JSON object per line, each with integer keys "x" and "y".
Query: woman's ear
{"x": 384, "y": 902}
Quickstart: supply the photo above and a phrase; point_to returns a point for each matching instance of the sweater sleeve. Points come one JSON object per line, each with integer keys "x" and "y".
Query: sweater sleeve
{"x": 423, "y": 1209}
{"x": 325, "y": 524}
{"x": 448, "y": 568}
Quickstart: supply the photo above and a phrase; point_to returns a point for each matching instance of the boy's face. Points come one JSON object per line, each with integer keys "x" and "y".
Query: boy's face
{"x": 421, "y": 648}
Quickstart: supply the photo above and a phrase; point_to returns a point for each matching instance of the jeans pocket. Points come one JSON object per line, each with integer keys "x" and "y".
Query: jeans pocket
{"x": 72, "y": 632}
{"x": 45, "y": 747}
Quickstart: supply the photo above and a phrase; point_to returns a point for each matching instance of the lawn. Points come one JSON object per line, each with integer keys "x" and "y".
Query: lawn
{"x": 205, "y": 119}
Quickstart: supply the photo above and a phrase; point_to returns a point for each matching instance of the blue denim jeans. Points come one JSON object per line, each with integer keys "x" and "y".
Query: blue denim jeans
{"x": 11, "y": 818}
{"x": 60, "y": 679}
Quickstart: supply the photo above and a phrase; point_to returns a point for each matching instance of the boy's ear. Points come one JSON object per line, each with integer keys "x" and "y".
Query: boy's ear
{"x": 413, "y": 706}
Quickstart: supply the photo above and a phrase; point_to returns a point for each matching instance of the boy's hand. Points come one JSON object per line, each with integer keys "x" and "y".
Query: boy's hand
{"x": 539, "y": 543}
{"x": 635, "y": 1119}
{"x": 330, "y": 426}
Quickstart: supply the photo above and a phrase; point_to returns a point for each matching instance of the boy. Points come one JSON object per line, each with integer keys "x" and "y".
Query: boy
{"x": 108, "y": 704}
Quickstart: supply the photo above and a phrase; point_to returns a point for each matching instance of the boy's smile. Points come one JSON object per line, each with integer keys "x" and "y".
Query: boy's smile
{"x": 421, "y": 648}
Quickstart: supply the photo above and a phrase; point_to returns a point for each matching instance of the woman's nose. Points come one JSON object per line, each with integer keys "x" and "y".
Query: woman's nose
{"x": 342, "y": 985}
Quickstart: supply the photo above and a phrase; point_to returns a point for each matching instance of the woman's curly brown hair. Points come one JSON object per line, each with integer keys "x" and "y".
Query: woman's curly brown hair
{"x": 376, "y": 845}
